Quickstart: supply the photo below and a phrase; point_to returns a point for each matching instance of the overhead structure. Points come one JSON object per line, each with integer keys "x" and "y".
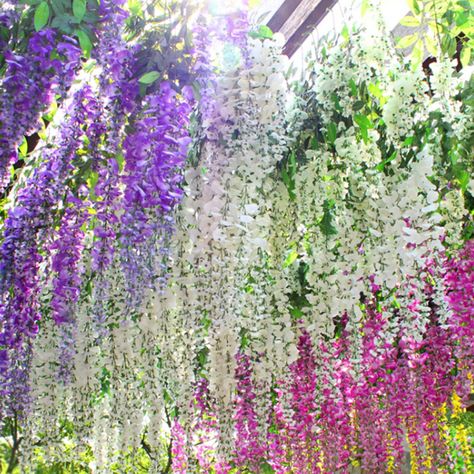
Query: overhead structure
{"x": 296, "y": 19}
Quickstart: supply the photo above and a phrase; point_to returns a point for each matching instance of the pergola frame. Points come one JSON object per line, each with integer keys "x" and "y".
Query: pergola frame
{"x": 296, "y": 19}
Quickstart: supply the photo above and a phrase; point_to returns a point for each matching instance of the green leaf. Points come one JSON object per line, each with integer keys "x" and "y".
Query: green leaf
{"x": 289, "y": 183}
{"x": 462, "y": 18}
{"x": 313, "y": 143}
{"x": 23, "y": 148}
{"x": 326, "y": 224}
{"x": 149, "y": 77}
{"x": 79, "y": 8}
{"x": 448, "y": 45}
{"x": 364, "y": 124}
{"x": 53, "y": 108}
{"x": 414, "y": 6}
{"x": 411, "y": 21}
{"x": 465, "y": 55}
{"x": 345, "y": 33}
{"x": 463, "y": 177}
{"x": 417, "y": 55}
{"x": 262, "y": 32}
{"x": 332, "y": 133}
{"x": 41, "y": 16}
{"x": 292, "y": 256}
{"x": 296, "y": 312}
{"x": 431, "y": 46}
{"x": 84, "y": 42}
{"x": 58, "y": 7}
{"x": 265, "y": 468}
{"x": 406, "y": 41}
{"x": 363, "y": 121}
{"x": 364, "y": 7}
{"x": 292, "y": 165}
{"x": 92, "y": 180}
{"x": 381, "y": 166}
{"x": 120, "y": 160}
{"x": 374, "y": 89}
{"x": 135, "y": 7}
{"x": 353, "y": 87}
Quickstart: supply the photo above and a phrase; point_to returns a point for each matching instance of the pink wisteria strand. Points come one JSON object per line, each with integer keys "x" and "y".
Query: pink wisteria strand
{"x": 178, "y": 449}
{"x": 249, "y": 447}
{"x": 459, "y": 281}
{"x": 336, "y": 434}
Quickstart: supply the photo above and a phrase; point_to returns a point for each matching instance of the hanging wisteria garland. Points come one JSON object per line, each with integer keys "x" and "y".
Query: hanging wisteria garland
{"x": 295, "y": 297}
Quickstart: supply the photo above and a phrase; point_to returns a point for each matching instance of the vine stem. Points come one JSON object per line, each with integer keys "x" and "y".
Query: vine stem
{"x": 170, "y": 445}
{"x": 15, "y": 447}
{"x": 438, "y": 37}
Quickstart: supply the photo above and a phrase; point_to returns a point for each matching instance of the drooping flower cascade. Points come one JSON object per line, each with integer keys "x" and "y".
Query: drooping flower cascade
{"x": 248, "y": 446}
{"x": 28, "y": 88}
{"x": 222, "y": 236}
{"x": 295, "y": 297}
{"x": 29, "y": 237}
{"x": 459, "y": 281}
{"x": 154, "y": 154}
{"x": 364, "y": 215}
{"x": 101, "y": 220}
{"x": 30, "y": 222}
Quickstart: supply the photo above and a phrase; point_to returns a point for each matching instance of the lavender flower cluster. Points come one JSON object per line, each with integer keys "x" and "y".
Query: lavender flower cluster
{"x": 28, "y": 88}
{"x": 124, "y": 207}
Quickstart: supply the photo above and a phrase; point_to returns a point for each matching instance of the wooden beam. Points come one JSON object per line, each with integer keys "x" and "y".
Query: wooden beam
{"x": 296, "y": 19}
{"x": 280, "y": 17}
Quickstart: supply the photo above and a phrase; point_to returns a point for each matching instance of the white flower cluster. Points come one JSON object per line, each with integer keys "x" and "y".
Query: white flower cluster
{"x": 221, "y": 288}
{"x": 406, "y": 103}
{"x": 358, "y": 222}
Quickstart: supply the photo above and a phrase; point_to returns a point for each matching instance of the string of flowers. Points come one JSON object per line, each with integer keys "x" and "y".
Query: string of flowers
{"x": 240, "y": 277}
{"x": 30, "y": 84}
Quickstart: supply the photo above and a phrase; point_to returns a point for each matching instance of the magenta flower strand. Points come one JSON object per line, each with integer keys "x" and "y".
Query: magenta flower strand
{"x": 459, "y": 281}
{"x": 248, "y": 445}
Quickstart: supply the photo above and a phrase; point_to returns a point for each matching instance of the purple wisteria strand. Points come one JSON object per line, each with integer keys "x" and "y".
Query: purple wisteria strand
{"x": 236, "y": 31}
{"x": 9, "y": 15}
{"x": 30, "y": 223}
{"x": 205, "y": 72}
{"x": 233, "y": 39}
{"x": 118, "y": 93}
{"x": 28, "y": 88}
{"x": 67, "y": 252}
{"x": 154, "y": 154}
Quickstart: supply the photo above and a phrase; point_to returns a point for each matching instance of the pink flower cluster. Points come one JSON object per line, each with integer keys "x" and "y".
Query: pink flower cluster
{"x": 459, "y": 280}
{"x": 370, "y": 396}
